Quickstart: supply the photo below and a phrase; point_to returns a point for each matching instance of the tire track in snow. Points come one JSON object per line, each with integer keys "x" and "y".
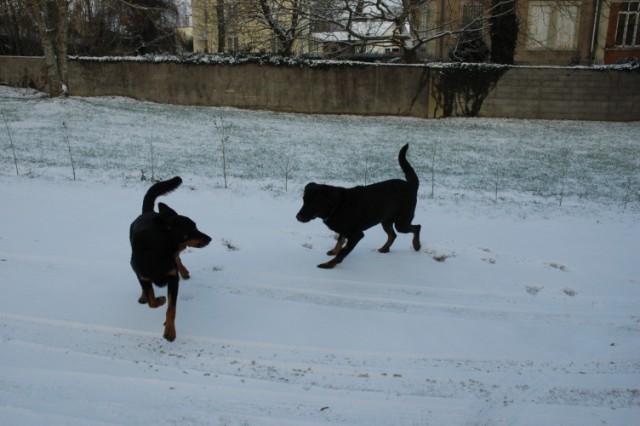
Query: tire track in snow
{"x": 425, "y": 301}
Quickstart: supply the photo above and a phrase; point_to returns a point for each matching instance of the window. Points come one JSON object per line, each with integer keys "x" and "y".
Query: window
{"x": 552, "y": 25}
{"x": 628, "y": 32}
{"x": 233, "y": 43}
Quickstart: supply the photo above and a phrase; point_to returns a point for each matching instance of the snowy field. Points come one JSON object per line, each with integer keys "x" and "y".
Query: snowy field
{"x": 522, "y": 308}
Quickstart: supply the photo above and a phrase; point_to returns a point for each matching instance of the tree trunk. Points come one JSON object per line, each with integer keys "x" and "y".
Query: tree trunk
{"x": 62, "y": 45}
{"x": 286, "y": 42}
{"x": 51, "y": 16}
{"x": 410, "y": 56}
{"x": 222, "y": 27}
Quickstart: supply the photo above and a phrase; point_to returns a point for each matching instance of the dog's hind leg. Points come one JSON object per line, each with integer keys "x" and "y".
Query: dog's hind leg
{"x": 352, "y": 241}
{"x": 406, "y": 228}
{"x": 391, "y": 236}
{"x": 148, "y": 295}
{"x": 334, "y": 251}
{"x": 416, "y": 237}
{"x": 170, "y": 322}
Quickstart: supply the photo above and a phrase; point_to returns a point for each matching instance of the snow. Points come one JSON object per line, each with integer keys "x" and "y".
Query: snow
{"x": 630, "y": 65}
{"x": 522, "y": 308}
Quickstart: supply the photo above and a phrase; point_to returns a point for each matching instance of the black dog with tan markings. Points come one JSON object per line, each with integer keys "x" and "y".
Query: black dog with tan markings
{"x": 350, "y": 211}
{"x": 157, "y": 238}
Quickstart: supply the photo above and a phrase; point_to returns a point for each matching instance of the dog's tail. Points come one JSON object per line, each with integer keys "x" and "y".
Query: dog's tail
{"x": 158, "y": 189}
{"x": 409, "y": 173}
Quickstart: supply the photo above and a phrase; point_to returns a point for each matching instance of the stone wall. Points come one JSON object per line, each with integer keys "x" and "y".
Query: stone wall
{"x": 522, "y": 92}
{"x": 559, "y": 93}
{"x": 357, "y": 90}
{"x": 23, "y": 71}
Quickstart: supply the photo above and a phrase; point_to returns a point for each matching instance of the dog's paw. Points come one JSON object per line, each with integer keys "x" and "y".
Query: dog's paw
{"x": 159, "y": 301}
{"x": 416, "y": 243}
{"x": 332, "y": 252}
{"x": 169, "y": 333}
{"x": 142, "y": 300}
{"x": 327, "y": 265}
{"x": 184, "y": 272}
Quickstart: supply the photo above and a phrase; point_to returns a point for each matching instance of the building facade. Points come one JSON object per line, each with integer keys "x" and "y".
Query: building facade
{"x": 551, "y": 32}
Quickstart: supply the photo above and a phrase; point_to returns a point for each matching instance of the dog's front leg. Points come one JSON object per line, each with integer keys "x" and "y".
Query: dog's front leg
{"x": 184, "y": 272}
{"x": 352, "y": 241}
{"x": 170, "y": 322}
{"x": 148, "y": 295}
{"x": 339, "y": 244}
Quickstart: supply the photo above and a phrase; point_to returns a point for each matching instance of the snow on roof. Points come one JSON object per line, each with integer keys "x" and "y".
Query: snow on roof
{"x": 363, "y": 28}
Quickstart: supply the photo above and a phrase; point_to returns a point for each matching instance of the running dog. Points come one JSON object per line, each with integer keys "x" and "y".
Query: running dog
{"x": 350, "y": 211}
{"x": 157, "y": 238}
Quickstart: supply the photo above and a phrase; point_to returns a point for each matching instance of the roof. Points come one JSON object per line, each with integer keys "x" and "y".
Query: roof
{"x": 361, "y": 28}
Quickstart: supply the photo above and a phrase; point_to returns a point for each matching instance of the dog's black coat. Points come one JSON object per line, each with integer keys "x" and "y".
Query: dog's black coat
{"x": 157, "y": 238}
{"x": 350, "y": 211}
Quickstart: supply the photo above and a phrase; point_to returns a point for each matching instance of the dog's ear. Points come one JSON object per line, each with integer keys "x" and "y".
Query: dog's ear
{"x": 165, "y": 210}
{"x": 310, "y": 186}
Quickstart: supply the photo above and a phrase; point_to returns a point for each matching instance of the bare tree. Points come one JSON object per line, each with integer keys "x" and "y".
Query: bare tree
{"x": 149, "y": 26}
{"x": 402, "y": 28}
{"x": 348, "y": 27}
{"x": 51, "y": 18}
{"x": 269, "y": 26}
{"x": 407, "y": 26}
{"x": 283, "y": 18}
{"x": 13, "y": 147}
{"x": 18, "y": 35}
{"x": 100, "y": 28}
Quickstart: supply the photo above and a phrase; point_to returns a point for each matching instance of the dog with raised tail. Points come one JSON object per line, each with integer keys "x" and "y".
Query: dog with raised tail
{"x": 157, "y": 238}
{"x": 351, "y": 211}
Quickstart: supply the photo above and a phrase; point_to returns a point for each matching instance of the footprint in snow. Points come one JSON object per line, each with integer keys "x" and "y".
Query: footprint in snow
{"x": 533, "y": 289}
{"x": 558, "y": 266}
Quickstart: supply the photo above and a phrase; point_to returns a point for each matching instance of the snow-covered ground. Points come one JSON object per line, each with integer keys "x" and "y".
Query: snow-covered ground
{"x": 522, "y": 308}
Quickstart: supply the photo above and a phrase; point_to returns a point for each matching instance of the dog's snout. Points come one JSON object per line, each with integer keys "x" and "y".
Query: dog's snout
{"x": 205, "y": 240}
{"x": 198, "y": 241}
{"x": 302, "y": 218}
